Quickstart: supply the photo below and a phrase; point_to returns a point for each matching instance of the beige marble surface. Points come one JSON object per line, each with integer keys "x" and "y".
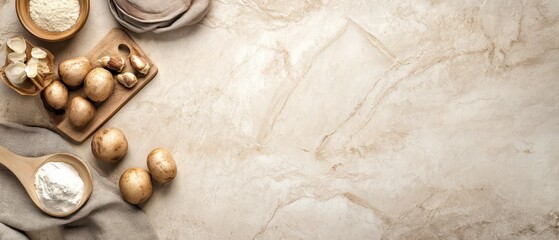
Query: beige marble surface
{"x": 363, "y": 119}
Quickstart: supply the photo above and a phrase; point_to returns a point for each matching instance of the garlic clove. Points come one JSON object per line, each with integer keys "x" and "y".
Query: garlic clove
{"x": 16, "y": 72}
{"x": 31, "y": 69}
{"x": 113, "y": 63}
{"x": 17, "y": 44}
{"x": 33, "y": 60}
{"x": 43, "y": 66}
{"x": 140, "y": 64}
{"x": 17, "y": 57}
{"x": 38, "y": 53}
{"x": 127, "y": 79}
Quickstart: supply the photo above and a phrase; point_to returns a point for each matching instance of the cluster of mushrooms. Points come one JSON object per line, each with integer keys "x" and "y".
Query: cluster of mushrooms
{"x": 98, "y": 84}
{"x": 110, "y": 145}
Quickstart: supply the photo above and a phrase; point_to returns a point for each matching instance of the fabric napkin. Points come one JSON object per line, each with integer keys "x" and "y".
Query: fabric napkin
{"x": 104, "y": 216}
{"x": 195, "y": 12}
{"x": 150, "y": 11}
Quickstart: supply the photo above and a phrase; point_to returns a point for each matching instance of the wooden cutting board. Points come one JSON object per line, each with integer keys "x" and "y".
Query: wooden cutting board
{"x": 116, "y": 42}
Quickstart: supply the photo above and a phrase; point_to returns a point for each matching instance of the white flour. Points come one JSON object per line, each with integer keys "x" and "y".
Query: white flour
{"x": 59, "y": 187}
{"x": 54, "y": 15}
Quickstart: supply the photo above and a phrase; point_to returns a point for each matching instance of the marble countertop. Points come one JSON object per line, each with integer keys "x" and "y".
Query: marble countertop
{"x": 361, "y": 119}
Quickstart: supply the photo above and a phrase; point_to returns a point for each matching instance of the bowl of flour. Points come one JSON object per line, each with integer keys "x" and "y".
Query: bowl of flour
{"x": 50, "y": 20}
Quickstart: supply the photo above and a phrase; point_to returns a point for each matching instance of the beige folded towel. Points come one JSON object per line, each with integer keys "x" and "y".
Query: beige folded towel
{"x": 104, "y": 216}
{"x": 158, "y": 16}
{"x": 153, "y": 11}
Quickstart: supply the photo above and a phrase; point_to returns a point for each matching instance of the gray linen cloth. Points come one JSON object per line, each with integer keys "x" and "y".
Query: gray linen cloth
{"x": 104, "y": 216}
{"x": 194, "y": 14}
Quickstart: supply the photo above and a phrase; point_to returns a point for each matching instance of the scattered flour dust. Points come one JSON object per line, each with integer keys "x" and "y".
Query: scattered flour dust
{"x": 54, "y": 15}
{"x": 59, "y": 187}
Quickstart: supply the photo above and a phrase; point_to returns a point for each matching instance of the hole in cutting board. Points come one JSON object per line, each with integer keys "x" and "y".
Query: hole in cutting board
{"x": 124, "y": 50}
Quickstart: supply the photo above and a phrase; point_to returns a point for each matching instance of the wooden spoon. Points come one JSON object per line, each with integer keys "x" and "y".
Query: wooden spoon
{"x": 25, "y": 168}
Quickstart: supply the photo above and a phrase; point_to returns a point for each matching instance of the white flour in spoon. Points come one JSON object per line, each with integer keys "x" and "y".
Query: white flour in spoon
{"x": 59, "y": 187}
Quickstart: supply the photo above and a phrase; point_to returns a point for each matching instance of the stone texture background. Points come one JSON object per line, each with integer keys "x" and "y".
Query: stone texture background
{"x": 363, "y": 119}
